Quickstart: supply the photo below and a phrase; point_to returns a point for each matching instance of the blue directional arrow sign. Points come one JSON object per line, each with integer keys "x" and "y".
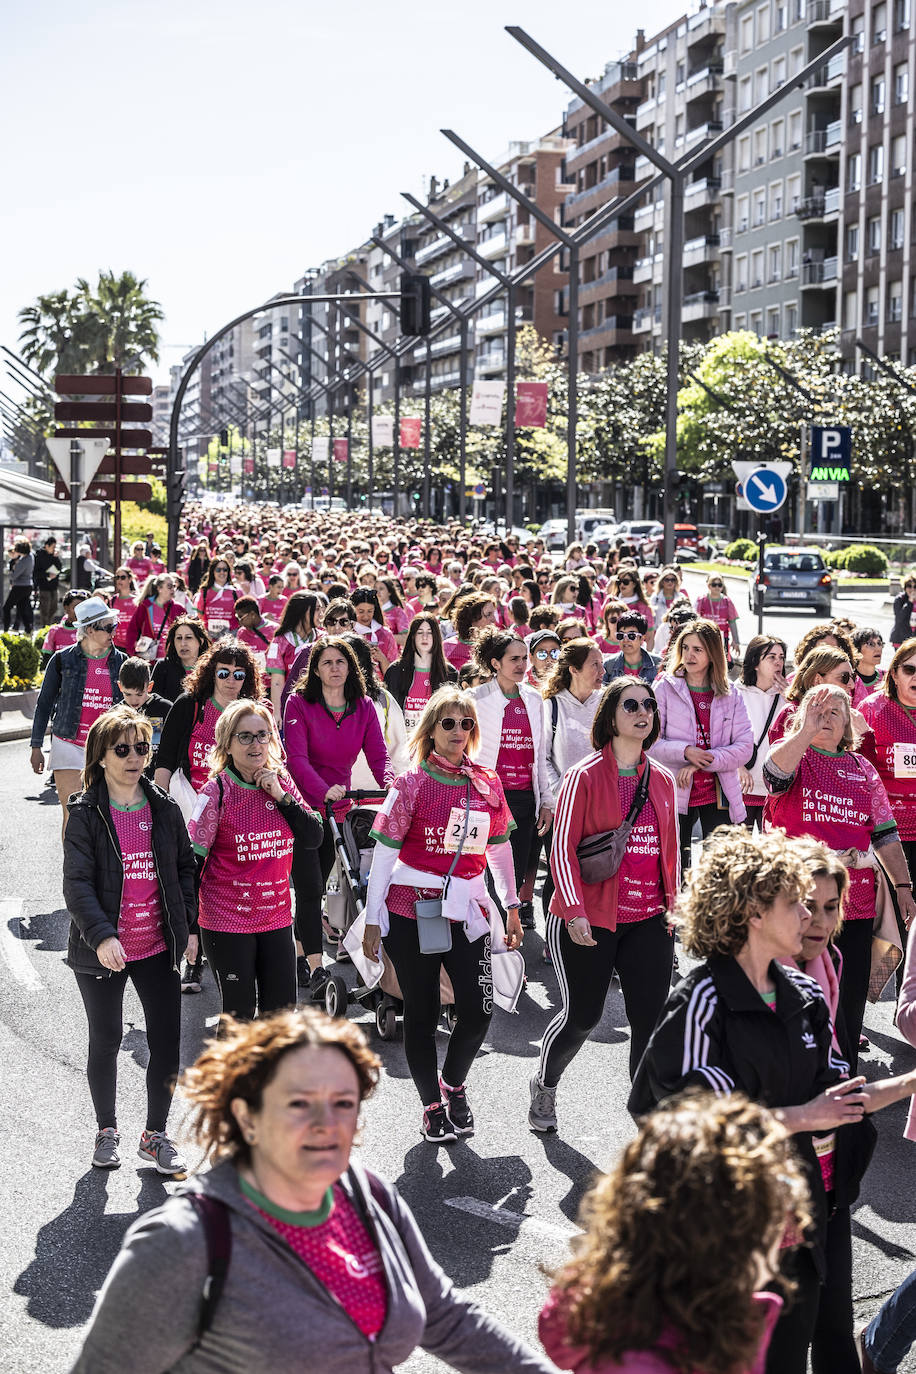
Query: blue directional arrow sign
{"x": 765, "y": 490}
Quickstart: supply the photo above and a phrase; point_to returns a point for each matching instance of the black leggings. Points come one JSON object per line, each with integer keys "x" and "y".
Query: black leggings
{"x": 19, "y": 603}
{"x": 821, "y": 1315}
{"x": 468, "y": 966}
{"x": 522, "y": 839}
{"x": 253, "y": 972}
{"x": 159, "y": 989}
{"x": 709, "y": 816}
{"x": 854, "y": 943}
{"x": 310, "y": 872}
{"x": 642, "y": 953}
{"x": 787, "y": 1352}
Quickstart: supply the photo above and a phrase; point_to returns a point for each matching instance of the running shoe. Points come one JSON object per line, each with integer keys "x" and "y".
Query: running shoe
{"x": 318, "y": 982}
{"x": 303, "y": 972}
{"x": 526, "y": 915}
{"x": 156, "y": 1148}
{"x": 105, "y": 1154}
{"x": 864, "y": 1044}
{"x": 542, "y": 1114}
{"x": 190, "y": 979}
{"x": 436, "y": 1125}
{"x": 456, "y": 1105}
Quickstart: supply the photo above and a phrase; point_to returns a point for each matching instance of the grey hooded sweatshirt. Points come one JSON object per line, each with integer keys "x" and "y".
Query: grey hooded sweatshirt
{"x": 273, "y": 1314}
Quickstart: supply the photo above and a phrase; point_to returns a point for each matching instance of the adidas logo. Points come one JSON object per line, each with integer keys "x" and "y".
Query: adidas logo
{"x": 808, "y": 1041}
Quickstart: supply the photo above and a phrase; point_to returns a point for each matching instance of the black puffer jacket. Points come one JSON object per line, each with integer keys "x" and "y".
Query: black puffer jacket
{"x": 94, "y": 874}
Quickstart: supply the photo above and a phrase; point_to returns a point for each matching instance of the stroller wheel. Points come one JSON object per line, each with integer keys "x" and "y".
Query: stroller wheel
{"x": 451, "y": 1017}
{"x": 386, "y": 1021}
{"x": 335, "y": 997}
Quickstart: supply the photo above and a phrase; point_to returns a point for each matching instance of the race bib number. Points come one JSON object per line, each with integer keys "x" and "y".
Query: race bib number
{"x": 217, "y": 625}
{"x": 905, "y": 760}
{"x": 475, "y": 842}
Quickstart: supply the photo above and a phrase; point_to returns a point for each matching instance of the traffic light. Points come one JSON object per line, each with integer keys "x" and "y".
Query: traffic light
{"x": 224, "y": 438}
{"x": 415, "y": 304}
{"x": 177, "y": 486}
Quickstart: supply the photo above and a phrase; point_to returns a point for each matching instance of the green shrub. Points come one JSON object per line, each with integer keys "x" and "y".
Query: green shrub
{"x": 741, "y": 550}
{"x": 39, "y": 637}
{"x": 4, "y": 665}
{"x": 835, "y": 558}
{"x": 865, "y": 558}
{"x": 23, "y": 657}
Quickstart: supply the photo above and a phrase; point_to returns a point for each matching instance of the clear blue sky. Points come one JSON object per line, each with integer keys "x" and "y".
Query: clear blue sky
{"x": 219, "y": 149}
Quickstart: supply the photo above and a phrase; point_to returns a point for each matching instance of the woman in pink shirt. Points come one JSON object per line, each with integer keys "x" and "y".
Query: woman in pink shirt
{"x": 370, "y": 623}
{"x": 216, "y": 602}
{"x": 156, "y": 610}
{"x": 139, "y": 564}
{"x": 391, "y": 600}
{"x": 680, "y": 1237}
{"x": 124, "y": 603}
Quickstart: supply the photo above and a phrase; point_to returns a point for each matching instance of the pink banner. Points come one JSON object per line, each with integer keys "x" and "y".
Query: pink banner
{"x": 248, "y": 465}
{"x": 410, "y": 431}
{"x": 289, "y": 458}
{"x": 530, "y": 405}
{"x": 340, "y": 450}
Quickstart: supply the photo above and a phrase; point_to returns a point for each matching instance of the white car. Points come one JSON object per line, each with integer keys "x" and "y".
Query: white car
{"x": 553, "y": 533}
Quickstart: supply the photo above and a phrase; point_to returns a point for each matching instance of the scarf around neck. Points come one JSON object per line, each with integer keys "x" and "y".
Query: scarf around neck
{"x": 466, "y": 769}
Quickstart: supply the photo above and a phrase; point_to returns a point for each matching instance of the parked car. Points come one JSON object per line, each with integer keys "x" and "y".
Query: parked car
{"x": 687, "y": 545}
{"x": 588, "y": 520}
{"x": 603, "y": 536}
{"x": 553, "y": 533}
{"x": 792, "y": 577}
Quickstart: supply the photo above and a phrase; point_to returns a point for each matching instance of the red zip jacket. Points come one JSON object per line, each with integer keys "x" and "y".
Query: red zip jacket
{"x": 588, "y": 804}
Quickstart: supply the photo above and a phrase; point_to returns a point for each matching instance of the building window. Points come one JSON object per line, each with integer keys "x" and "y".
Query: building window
{"x": 858, "y": 34}
{"x": 879, "y": 23}
{"x": 742, "y": 218}
{"x": 791, "y": 257}
{"x": 871, "y": 305}
{"x": 898, "y": 155}
{"x": 760, "y": 147}
{"x": 757, "y": 322}
{"x": 741, "y": 321}
{"x": 901, "y": 84}
{"x": 895, "y": 230}
{"x": 747, "y": 33}
{"x": 744, "y": 154}
{"x": 796, "y": 61}
{"x": 855, "y": 103}
{"x": 874, "y": 235}
{"x": 745, "y": 94}
{"x": 876, "y": 95}
{"x": 854, "y": 172}
{"x": 777, "y": 136}
{"x": 756, "y": 269}
{"x": 852, "y": 242}
{"x": 774, "y": 271}
{"x": 901, "y": 15}
{"x": 875, "y": 163}
{"x": 773, "y": 322}
{"x": 795, "y": 130}
{"x": 780, "y": 18}
{"x": 763, "y": 23}
{"x": 741, "y": 273}
{"x": 895, "y": 302}
{"x": 791, "y": 318}
{"x": 761, "y": 84}
{"x": 760, "y": 208}
{"x": 793, "y": 192}
{"x": 850, "y": 305}
{"x": 776, "y": 201}
{"x": 779, "y": 72}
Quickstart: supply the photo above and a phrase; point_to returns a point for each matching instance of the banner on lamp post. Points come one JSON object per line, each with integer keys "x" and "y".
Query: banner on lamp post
{"x": 289, "y": 458}
{"x": 273, "y": 457}
{"x": 383, "y": 431}
{"x": 530, "y": 405}
{"x": 411, "y": 426}
{"x": 319, "y": 450}
{"x": 235, "y": 464}
{"x": 340, "y": 450}
{"x": 248, "y": 465}
{"x": 487, "y": 403}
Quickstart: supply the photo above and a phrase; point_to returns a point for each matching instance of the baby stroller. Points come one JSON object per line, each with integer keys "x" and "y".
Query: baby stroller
{"x": 346, "y": 903}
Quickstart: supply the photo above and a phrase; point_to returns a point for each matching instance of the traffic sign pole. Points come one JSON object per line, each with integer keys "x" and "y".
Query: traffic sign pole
{"x": 75, "y": 492}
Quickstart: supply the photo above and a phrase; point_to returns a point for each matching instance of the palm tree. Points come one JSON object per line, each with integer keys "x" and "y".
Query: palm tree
{"x": 92, "y": 330}
{"x": 54, "y": 337}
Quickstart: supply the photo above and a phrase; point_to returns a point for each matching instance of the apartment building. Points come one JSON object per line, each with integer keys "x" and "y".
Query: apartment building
{"x": 601, "y": 166}
{"x": 162, "y": 414}
{"x": 682, "y": 74}
{"x": 324, "y": 339}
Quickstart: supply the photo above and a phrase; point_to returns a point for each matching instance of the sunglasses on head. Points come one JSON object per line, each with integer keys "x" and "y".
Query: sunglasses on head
{"x": 631, "y": 705}
{"x": 543, "y": 654}
{"x": 238, "y": 673}
{"x": 247, "y": 737}
{"x": 466, "y": 723}
{"x": 140, "y": 747}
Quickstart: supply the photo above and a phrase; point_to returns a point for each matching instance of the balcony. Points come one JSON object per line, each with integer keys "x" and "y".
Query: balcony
{"x": 616, "y": 281}
{"x": 494, "y": 247}
{"x": 819, "y": 273}
{"x": 614, "y": 324}
{"x": 645, "y": 113}
{"x": 701, "y": 249}
{"x": 645, "y": 215}
{"x": 702, "y": 192}
{"x": 449, "y": 345}
{"x": 702, "y": 132}
{"x": 824, "y": 12}
{"x": 492, "y": 209}
{"x": 704, "y": 81}
{"x": 725, "y": 240}
{"x": 494, "y": 361}
{"x": 819, "y": 206}
{"x": 612, "y": 182}
{"x": 644, "y": 319}
{"x": 440, "y": 380}
{"x": 448, "y": 275}
{"x": 730, "y": 63}
{"x": 824, "y": 142}
{"x": 433, "y": 250}
{"x": 524, "y": 236}
{"x": 642, "y": 269}
{"x": 701, "y": 305}
{"x": 490, "y": 324}
{"x": 728, "y": 181}
{"x": 829, "y": 75}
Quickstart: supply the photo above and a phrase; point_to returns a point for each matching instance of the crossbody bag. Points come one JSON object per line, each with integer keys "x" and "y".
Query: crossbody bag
{"x": 434, "y": 931}
{"x": 601, "y": 855}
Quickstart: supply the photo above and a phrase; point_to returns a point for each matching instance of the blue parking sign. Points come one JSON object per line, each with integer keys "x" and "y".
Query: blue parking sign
{"x": 831, "y": 453}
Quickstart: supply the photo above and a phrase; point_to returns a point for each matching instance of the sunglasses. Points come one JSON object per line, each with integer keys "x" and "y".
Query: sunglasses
{"x": 631, "y": 634}
{"x": 141, "y": 748}
{"x": 107, "y": 627}
{"x": 908, "y": 669}
{"x": 717, "y": 586}
{"x": 624, "y": 582}
{"x": 122, "y": 577}
{"x": 631, "y": 705}
{"x": 338, "y": 620}
{"x": 466, "y": 723}
{"x": 845, "y": 678}
{"x": 543, "y": 654}
{"x": 247, "y": 737}
{"x": 238, "y": 673}
{"x": 223, "y": 567}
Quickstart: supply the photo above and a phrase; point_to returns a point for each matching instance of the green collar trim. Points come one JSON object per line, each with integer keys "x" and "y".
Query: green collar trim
{"x": 442, "y": 777}
{"x": 237, "y": 777}
{"x": 828, "y": 753}
{"x": 137, "y": 806}
{"x": 309, "y": 1219}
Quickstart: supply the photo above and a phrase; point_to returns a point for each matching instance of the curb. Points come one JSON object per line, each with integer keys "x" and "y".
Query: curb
{"x": 17, "y": 710}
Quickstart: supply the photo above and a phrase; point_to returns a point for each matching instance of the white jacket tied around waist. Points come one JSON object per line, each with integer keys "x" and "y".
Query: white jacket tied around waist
{"x": 491, "y": 704}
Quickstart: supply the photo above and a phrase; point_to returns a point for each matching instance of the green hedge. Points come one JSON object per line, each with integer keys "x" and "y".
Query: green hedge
{"x": 23, "y": 657}
{"x": 741, "y": 550}
{"x": 858, "y": 558}
{"x": 4, "y": 665}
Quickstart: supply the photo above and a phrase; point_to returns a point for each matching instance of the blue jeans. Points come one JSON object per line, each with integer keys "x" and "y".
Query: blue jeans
{"x": 892, "y": 1332}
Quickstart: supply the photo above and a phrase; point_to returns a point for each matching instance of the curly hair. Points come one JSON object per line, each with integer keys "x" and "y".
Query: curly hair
{"x": 201, "y": 680}
{"x": 245, "y": 1058}
{"x": 676, "y": 1235}
{"x": 738, "y": 876}
{"x": 493, "y": 643}
{"x": 815, "y": 637}
{"x": 818, "y": 663}
{"x": 468, "y": 610}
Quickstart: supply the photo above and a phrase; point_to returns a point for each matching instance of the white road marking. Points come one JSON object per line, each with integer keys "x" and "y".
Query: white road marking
{"x": 513, "y": 1220}
{"x": 13, "y": 950}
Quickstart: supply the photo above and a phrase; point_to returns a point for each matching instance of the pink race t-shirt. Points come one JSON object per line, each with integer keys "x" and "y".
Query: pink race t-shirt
{"x": 244, "y": 887}
{"x": 639, "y": 883}
{"x": 423, "y": 817}
{"x": 720, "y": 612}
{"x": 217, "y": 607}
{"x": 703, "y": 787}
{"x": 342, "y": 1256}
{"x": 140, "y": 928}
{"x": 125, "y": 607}
{"x": 96, "y": 697}
{"x": 457, "y": 652}
{"x": 418, "y": 695}
{"x": 515, "y": 760}
{"x": 203, "y": 738}
{"x": 61, "y": 636}
{"x": 895, "y": 752}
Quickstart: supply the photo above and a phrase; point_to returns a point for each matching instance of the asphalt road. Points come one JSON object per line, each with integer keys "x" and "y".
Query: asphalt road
{"x": 494, "y": 1208}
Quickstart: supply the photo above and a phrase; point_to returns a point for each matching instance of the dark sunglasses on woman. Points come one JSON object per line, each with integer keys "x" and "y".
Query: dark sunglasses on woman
{"x": 238, "y": 673}
{"x": 631, "y": 705}
{"x": 140, "y": 747}
{"x": 466, "y": 723}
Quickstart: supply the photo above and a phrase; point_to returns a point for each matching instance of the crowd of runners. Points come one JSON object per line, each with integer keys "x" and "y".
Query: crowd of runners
{"x": 547, "y": 738}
